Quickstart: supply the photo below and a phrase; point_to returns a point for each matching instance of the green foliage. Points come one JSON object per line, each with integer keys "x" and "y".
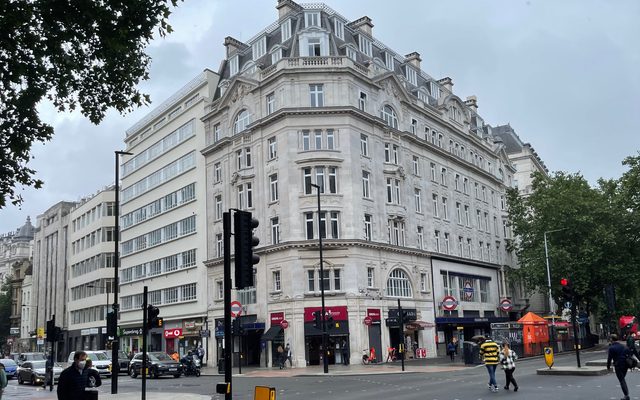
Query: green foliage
{"x": 5, "y": 311}
{"x": 593, "y": 240}
{"x": 88, "y": 55}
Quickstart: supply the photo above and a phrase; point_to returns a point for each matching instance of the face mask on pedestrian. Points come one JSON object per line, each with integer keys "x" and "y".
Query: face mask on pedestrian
{"x": 82, "y": 364}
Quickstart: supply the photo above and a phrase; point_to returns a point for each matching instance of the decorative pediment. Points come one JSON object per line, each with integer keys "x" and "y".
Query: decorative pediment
{"x": 393, "y": 87}
{"x": 237, "y": 89}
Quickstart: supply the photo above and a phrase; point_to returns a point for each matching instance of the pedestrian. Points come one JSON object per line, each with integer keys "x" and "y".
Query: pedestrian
{"x": 200, "y": 352}
{"x": 287, "y": 351}
{"x": 489, "y": 352}
{"x": 345, "y": 352}
{"x": 631, "y": 344}
{"x": 3, "y": 379}
{"x": 280, "y": 356}
{"x": 451, "y": 350}
{"x": 72, "y": 380}
{"x": 455, "y": 343}
{"x": 618, "y": 354}
{"x": 508, "y": 359}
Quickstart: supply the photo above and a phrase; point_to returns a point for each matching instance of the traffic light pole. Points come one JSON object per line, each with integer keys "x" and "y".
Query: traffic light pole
{"x": 576, "y": 339}
{"x": 145, "y": 330}
{"x": 228, "y": 340}
{"x": 325, "y": 349}
{"x": 400, "y": 329}
{"x": 50, "y": 368}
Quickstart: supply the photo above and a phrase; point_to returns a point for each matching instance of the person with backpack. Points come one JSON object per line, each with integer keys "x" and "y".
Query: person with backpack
{"x": 618, "y": 354}
{"x": 508, "y": 359}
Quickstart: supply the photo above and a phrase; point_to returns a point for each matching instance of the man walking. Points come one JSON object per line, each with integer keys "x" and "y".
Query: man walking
{"x": 72, "y": 380}
{"x": 618, "y": 353}
{"x": 489, "y": 352}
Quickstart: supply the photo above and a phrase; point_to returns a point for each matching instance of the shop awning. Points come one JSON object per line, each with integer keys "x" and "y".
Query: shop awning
{"x": 271, "y": 333}
{"x": 418, "y": 325}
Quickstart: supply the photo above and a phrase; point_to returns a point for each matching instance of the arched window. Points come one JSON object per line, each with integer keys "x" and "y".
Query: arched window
{"x": 398, "y": 284}
{"x": 242, "y": 121}
{"x": 389, "y": 116}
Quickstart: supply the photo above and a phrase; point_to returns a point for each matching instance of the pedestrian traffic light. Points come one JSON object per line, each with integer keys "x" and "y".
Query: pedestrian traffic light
{"x": 317, "y": 319}
{"x": 244, "y": 242}
{"x": 153, "y": 321}
{"x": 112, "y": 325}
{"x": 58, "y": 334}
{"x": 51, "y": 330}
{"x": 568, "y": 292}
{"x": 330, "y": 322}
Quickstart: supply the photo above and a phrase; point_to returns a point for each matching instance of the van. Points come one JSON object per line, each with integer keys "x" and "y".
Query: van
{"x": 101, "y": 362}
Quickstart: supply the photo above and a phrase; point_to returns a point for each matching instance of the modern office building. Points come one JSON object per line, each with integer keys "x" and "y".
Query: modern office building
{"x": 163, "y": 223}
{"x": 412, "y": 192}
{"x": 90, "y": 271}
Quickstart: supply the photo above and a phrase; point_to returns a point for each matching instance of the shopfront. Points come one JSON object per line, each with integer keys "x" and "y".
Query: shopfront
{"x": 131, "y": 340}
{"x": 373, "y": 321}
{"x": 273, "y": 337}
{"x": 337, "y": 333}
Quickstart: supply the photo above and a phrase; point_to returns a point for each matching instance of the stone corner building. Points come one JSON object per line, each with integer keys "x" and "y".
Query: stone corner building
{"x": 412, "y": 192}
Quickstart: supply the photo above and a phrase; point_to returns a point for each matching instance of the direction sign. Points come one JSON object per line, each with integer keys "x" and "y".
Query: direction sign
{"x": 367, "y": 320}
{"x": 506, "y": 305}
{"x": 449, "y": 303}
{"x": 236, "y": 309}
{"x": 284, "y": 324}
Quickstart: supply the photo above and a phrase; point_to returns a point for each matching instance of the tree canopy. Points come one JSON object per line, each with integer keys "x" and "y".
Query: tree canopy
{"x": 592, "y": 235}
{"x": 88, "y": 55}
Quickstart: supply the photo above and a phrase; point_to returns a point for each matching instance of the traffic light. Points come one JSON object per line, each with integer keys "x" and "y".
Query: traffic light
{"x": 112, "y": 325}
{"x": 567, "y": 289}
{"x": 58, "y": 334}
{"x": 330, "y": 322}
{"x": 244, "y": 242}
{"x": 153, "y": 321}
{"x": 317, "y": 319}
{"x": 51, "y": 330}
{"x": 236, "y": 328}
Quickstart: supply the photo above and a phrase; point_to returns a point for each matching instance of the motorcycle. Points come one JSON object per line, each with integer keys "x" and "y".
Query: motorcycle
{"x": 191, "y": 366}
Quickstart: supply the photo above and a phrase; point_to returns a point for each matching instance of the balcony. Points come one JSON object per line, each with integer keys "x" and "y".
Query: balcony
{"x": 313, "y": 63}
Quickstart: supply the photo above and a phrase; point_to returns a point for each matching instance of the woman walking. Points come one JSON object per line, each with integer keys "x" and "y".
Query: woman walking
{"x": 508, "y": 359}
{"x": 451, "y": 350}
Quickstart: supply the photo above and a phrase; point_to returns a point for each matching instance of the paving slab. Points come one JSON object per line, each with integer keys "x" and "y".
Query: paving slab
{"x": 582, "y": 371}
{"x": 597, "y": 363}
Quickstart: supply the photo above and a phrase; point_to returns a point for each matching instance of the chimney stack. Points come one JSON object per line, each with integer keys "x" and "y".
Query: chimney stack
{"x": 363, "y": 24}
{"x": 284, "y": 7}
{"x": 233, "y": 45}
{"x": 472, "y": 102}
{"x": 414, "y": 59}
{"x": 447, "y": 84}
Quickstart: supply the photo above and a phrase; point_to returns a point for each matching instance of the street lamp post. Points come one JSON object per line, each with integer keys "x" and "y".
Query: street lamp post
{"x": 325, "y": 351}
{"x": 546, "y": 256}
{"x": 115, "y": 345}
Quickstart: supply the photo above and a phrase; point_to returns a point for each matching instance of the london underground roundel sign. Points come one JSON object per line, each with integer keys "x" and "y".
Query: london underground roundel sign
{"x": 449, "y": 303}
{"x": 506, "y": 305}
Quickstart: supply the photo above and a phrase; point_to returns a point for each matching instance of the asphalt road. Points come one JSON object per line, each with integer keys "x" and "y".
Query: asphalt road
{"x": 470, "y": 383}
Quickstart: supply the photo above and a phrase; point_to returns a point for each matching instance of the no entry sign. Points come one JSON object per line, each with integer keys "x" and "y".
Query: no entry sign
{"x": 449, "y": 303}
{"x": 367, "y": 320}
{"x": 284, "y": 324}
{"x": 236, "y": 309}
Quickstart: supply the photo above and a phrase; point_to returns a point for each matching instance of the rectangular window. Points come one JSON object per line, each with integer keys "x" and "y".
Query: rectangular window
{"x": 338, "y": 28}
{"x": 447, "y": 247}
{"x": 368, "y": 227}
{"x": 424, "y": 282}
{"x": 364, "y": 145}
{"x": 435, "y": 205}
{"x": 414, "y": 126}
{"x": 436, "y": 236}
{"x": 330, "y": 140}
{"x": 370, "y": 277}
{"x": 276, "y": 55}
{"x": 443, "y": 176}
{"x": 188, "y": 292}
{"x": 273, "y": 187}
{"x": 277, "y": 286}
{"x": 418, "y": 197}
{"x": 337, "y": 283}
{"x": 351, "y": 53}
{"x": 233, "y": 65}
{"x": 458, "y": 213}
{"x": 312, "y": 19}
{"x": 433, "y": 171}
{"x": 275, "y": 230}
{"x": 362, "y": 101}
{"x": 271, "y": 102}
{"x": 259, "y": 48}
{"x": 306, "y": 140}
{"x": 461, "y": 246}
{"x": 420, "y": 237}
{"x": 365, "y": 185}
{"x": 456, "y": 182}
{"x": 388, "y": 60}
{"x": 318, "y": 139}
{"x": 316, "y": 95}
{"x": 445, "y": 208}
{"x": 285, "y": 30}
{"x": 311, "y": 280}
{"x": 365, "y": 45}
{"x": 308, "y": 220}
{"x": 273, "y": 148}
{"x": 217, "y": 172}
{"x": 467, "y": 217}
{"x": 313, "y": 47}
{"x": 411, "y": 75}
{"x": 219, "y": 212}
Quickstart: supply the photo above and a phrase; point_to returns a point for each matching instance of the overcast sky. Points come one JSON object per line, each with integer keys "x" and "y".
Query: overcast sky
{"x": 564, "y": 74}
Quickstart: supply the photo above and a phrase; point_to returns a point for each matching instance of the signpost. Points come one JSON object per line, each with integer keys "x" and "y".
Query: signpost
{"x": 449, "y": 303}
{"x": 506, "y": 305}
{"x": 367, "y": 320}
{"x": 236, "y": 309}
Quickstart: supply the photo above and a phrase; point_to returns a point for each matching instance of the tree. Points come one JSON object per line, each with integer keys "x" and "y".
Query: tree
{"x": 88, "y": 55}
{"x": 591, "y": 250}
{"x": 5, "y": 311}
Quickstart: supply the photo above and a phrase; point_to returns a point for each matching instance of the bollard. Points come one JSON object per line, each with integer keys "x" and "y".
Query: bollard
{"x": 264, "y": 393}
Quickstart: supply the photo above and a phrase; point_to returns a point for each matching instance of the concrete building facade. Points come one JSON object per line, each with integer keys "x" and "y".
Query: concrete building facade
{"x": 412, "y": 192}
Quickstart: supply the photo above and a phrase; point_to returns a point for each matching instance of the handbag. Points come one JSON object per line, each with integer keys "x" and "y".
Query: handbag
{"x": 632, "y": 361}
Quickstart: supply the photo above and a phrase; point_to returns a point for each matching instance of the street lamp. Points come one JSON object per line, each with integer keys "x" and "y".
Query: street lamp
{"x": 546, "y": 255}
{"x": 325, "y": 351}
{"x": 115, "y": 345}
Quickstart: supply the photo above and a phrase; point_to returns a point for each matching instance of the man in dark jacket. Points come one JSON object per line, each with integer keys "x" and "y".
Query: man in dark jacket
{"x": 72, "y": 380}
{"x": 618, "y": 352}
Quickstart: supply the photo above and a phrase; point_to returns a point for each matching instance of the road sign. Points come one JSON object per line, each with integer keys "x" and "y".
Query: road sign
{"x": 284, "y": 324}
{"x": 449, "y": 303}
{"x": 236, "y": 309}
{"x": 367, "y": 320}
{"x": 548, "y": 356}
{"x": 506, "y": 305}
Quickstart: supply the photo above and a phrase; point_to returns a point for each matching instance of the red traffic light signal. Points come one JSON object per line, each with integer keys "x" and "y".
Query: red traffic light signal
{"x": 564, "y": 282}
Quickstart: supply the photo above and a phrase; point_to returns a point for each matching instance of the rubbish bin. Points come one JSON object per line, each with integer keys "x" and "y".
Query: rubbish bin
{"x": 471, "y": 353}
{"x": 220, "y": 366}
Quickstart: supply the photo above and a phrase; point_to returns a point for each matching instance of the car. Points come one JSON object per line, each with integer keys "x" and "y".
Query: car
{"x": 158, "y": 364}
{"x": 123, "y": 360}
{"x": 10, "y": 368}
{"x": 22, "y": 357}
{"x": 101, "y": 362}
{"x": 34, "y": 372}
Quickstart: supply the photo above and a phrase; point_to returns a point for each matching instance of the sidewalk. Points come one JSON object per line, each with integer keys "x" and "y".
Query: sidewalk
{"x": 440, "y": 364}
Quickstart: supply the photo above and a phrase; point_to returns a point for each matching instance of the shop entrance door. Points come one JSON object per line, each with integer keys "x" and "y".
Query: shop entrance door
{"x": 170, "y": 346}
{"x": 375, "y": 340}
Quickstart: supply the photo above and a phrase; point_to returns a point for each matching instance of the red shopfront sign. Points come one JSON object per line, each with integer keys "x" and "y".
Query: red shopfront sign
{"x": 277, "y": 318}
{"x": 374, "y": 314}
{"x": 172, "y": 333}
{"x": 339, "y": 313}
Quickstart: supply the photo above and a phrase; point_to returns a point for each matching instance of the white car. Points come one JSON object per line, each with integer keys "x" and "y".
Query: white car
{"x": 101, "y": 362}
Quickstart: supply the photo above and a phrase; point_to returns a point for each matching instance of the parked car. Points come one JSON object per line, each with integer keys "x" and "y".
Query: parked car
{"x": 123, "y": 360}
{"x": 101, "y": 362}
{"x": 10, "y": 368}
{"x": 22, "y": 357}
{"x": 158, "y": 364}
{"x": 34, "y": 372}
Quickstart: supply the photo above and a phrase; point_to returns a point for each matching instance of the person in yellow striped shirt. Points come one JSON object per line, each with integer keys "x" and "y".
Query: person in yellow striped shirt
{"x": 489, "y": 351}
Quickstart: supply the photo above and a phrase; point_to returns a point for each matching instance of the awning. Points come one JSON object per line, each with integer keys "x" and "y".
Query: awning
{"x": 271, "y": 333}
{"x": 418, "y": 325}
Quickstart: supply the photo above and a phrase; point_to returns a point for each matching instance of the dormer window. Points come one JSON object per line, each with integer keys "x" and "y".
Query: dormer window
{"x": 314, "y": 47}
{"x": 351, "y": 53}
{"x": 365, "y": 45}
{"x": 434, "y": 90}
{"x": 259, "y": 48}
{"x": 422, "y": 96}
{"x": 388, "y": 60}
{"x": 339, "y": 28}
{"x": 312, "y": 19}
{"x": 411, "y": 75}
{"x": 285, "y": 30}
{"x": 233, "y": 65}
{"x": 276, "y": 55}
